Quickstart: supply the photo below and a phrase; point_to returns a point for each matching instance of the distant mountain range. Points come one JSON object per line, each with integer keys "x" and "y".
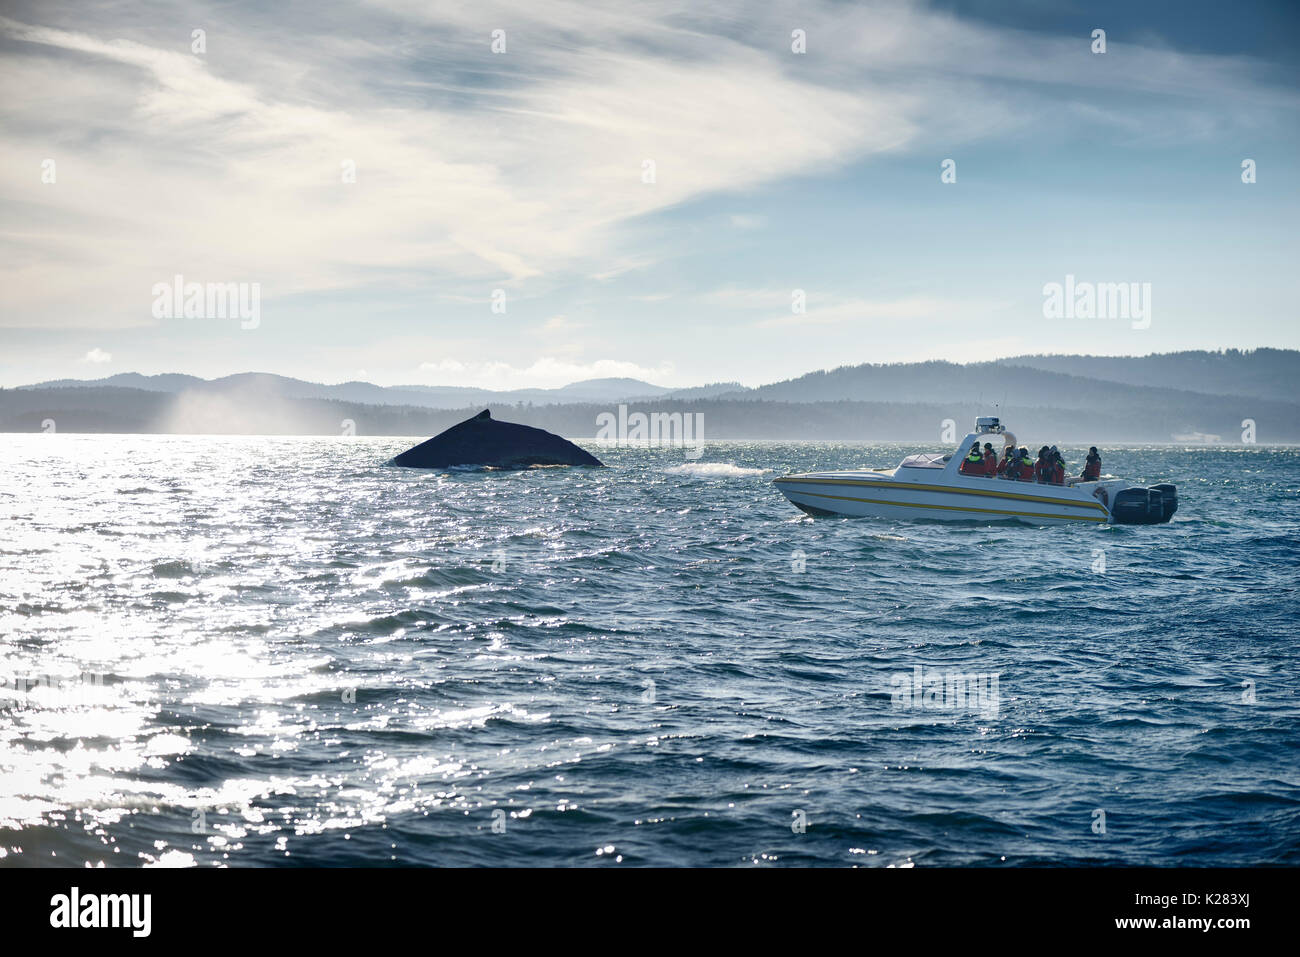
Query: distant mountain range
{"x": 1154, "y": 398}
{"x": 422, "y": 396}
{"x": 1039, "y": 380}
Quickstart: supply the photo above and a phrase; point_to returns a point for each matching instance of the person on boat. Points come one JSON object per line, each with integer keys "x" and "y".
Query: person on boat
{"x": 973, "y": 463}
{"x": 1007, "y": 463}
{"x": 1043, "y": 467}
{"x": 1092, "y": 466}
{"x": 1048, "y": 470}
{"x": 1058, "y": 466}
{"x": 1026, "y": 466}
{"x": 990, "y": 461}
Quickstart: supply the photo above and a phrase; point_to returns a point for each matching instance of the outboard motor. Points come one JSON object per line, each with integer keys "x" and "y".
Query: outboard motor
{"x": 1170, "y": 494}
{"x": 1135, "y": 506}
{"x": 1155, "y": 505}
{"x": 1144, "y": 506}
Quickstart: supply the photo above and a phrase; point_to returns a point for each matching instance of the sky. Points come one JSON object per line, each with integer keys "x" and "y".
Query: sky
{"x": 512, "y": 195}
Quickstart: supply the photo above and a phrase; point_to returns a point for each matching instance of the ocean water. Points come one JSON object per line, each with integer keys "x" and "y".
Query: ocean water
{"x": 276, "y": 651}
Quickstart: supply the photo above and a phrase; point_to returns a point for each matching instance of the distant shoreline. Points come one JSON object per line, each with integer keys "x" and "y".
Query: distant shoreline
{"x": 1202, "y": 396}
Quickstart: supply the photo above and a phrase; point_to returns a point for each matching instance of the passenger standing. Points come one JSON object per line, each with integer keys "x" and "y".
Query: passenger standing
{"x": 990, "y": 461}
{"x": 1092, "y": 466}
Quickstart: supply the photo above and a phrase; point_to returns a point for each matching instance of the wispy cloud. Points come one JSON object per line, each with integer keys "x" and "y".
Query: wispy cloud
{"x": 823, "y": 310}
{"x": 775, "y": 308}
{"x": 546, "y": 372}
{"x": 560, "y": 325}
{"x": 239, "y": 180}
{"x": 356, "y": 155}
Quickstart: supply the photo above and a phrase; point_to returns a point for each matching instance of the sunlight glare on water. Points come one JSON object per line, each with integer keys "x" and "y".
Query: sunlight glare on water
{"x": 229, "y": 650}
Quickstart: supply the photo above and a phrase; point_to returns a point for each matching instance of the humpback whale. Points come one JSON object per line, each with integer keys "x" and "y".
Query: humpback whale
{"x": 484, "y": 441}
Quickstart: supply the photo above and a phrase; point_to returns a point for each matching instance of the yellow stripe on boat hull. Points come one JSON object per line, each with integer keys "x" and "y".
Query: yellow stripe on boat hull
{"x": 956, "y": 508}
{"x": 1095, "y": 506}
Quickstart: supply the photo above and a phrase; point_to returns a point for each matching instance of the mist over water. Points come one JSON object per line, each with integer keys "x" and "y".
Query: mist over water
{"x": 259, "y": 651}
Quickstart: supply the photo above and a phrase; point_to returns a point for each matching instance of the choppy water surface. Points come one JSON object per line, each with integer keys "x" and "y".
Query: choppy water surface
{"x": 257, "y": 651}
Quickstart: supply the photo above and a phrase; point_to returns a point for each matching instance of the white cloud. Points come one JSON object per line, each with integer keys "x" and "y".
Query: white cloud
{"x": 97, "y": 357}
{"x": 561, "y": 324}
{"x": 226, "y": 167}
{"x": 826, "y": 309}
{"x": 547, "y": 372}
{"x": 239, "y": 179}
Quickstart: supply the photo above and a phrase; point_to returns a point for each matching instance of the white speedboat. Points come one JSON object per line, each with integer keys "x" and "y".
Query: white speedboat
{"x": 929, "y": 486}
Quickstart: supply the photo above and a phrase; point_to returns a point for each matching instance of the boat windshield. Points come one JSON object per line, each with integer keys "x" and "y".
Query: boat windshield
{"x": 925, "y": 460}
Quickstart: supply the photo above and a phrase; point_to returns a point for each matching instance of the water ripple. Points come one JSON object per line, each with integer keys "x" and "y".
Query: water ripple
{"x": 229, "y": 651}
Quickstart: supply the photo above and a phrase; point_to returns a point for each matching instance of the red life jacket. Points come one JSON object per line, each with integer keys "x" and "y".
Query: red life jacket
{"x": 1092, "y": 469}
{"x": 971, "y": 466}
{"x": 1058, "y": 473}
{"x": 1043, "y": 471}
{"x": 990, "y": 464}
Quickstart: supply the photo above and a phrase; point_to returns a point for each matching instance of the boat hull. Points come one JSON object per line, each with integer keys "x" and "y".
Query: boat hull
{"x": 968, "y": 500}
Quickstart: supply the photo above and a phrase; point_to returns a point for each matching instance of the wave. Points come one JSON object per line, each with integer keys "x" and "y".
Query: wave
{"x": 638, "y": 658}
{"x": 714, "y": 470}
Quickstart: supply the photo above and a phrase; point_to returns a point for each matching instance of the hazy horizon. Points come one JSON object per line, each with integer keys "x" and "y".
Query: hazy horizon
{"x": 93, "y": 376}
{"x": 1187, "y": 396}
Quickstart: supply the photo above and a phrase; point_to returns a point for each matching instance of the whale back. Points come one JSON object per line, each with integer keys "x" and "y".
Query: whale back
{"x": 489, "y": 443}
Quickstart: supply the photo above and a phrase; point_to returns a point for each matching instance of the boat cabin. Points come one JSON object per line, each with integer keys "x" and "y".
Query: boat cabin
{"x": 950, "y": 462}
